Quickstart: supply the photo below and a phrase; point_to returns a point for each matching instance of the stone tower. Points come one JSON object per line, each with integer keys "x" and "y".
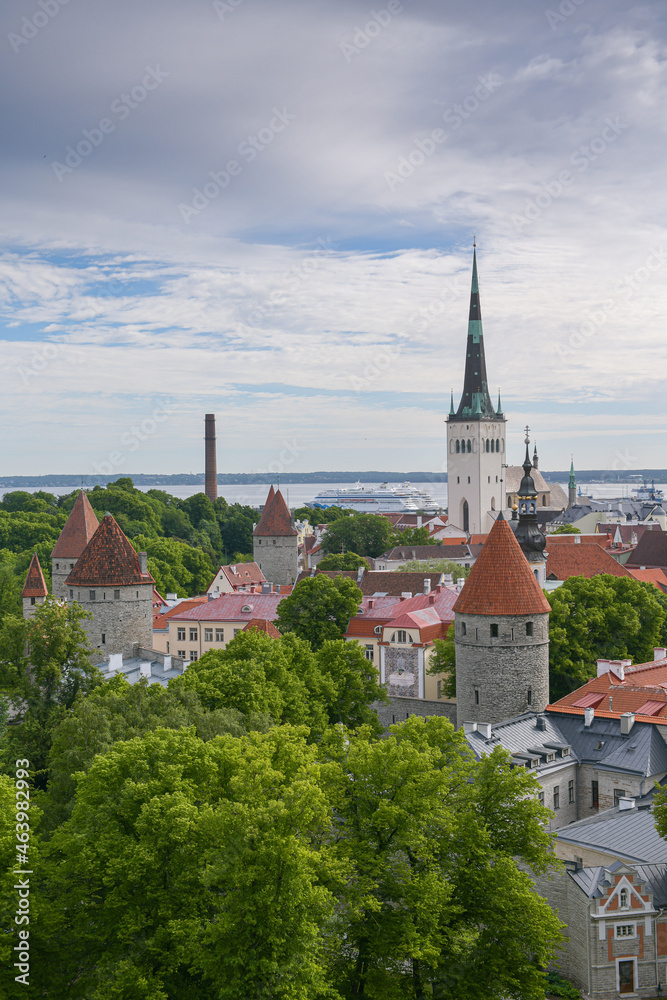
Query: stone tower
{"x": 34, "y": 589}
{"x": 112, "y": 581}
{"x": 275, "y": 541}
{"x": 572, "y": 486}
{"x": 79, "y": 528}
{"x": 475, "y": 436}
{"x": 501, "y": 630}
{"x": 528, "y": 533}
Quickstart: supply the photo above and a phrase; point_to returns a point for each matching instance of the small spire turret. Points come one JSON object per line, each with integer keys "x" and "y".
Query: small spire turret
{"x": 572, "y": 485}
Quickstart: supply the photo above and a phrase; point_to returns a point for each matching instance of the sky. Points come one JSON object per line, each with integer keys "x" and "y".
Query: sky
{"x": 266, "y": 211}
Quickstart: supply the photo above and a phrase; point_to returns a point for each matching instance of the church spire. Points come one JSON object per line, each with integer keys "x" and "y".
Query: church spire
{"x": 475, "y": 402}
{"x": 572, "y": 485}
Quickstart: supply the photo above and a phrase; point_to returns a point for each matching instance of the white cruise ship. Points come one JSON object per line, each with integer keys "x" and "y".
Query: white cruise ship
{"x": 384, "y": 499}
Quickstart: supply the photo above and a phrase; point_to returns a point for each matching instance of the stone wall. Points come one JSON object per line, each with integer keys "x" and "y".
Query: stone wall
{"x": 118, "y": 622}
{"x": 399, "y": 709}
{"x": 401, "y": 670}
{"x": 277, "y": 557}
{"x": 499, "y": 677}
{"x": 608, "y": 782}
{"x": 60, "y": 570}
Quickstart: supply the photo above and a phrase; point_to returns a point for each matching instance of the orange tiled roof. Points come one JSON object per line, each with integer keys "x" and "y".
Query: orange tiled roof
{"x": 501, "y": 582}
{"x": 643, "y": 691}
{"x": 79, "y": 528}
{"x": 108, "y": 560}
{"x": 591, "y": 539}
{"x": 262, "y": 625}
{"x": 564, "y": 561}
{"x": 34, "y": 585}
{"x": 275, "y": 519}
{"x": 655, "y": 576}
{"x": 162, "y": 621}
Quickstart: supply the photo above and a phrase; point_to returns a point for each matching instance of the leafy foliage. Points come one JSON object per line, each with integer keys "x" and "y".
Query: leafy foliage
{"x": 319, "y": 608}
{"x": 436, "y": 566}
{"x": 566, "y": 529}
{"x": 367, "y": 534}
{"x": 344, "y": 561}
{"x": 443, "y": 661}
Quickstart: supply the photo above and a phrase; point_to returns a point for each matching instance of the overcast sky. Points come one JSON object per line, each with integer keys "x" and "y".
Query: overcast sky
{"x": 266, "y": 211}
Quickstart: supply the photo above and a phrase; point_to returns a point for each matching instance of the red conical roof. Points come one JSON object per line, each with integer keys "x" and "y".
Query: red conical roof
{"x": 34, "y": 582}
{"x": 275, "y": 519}
{"x": 262, "y": 625}
{"x": 108, "y": 560}
{"x": 79, "y": 528}
{"x": 501, "y": 582}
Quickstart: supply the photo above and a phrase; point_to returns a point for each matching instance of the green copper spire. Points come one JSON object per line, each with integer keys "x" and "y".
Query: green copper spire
{"x": 573, "y": 482}
{"x": 475, "y": 402}
{"x": 499, "y": 411}
{"x": 451, "y": 405}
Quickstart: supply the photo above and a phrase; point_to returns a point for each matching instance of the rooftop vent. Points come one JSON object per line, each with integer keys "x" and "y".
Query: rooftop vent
{"x": 659, "y": 652}
{"x": 469, "y": 727}
{"x": 626, "y": 803}
{"x": 589, "y": 715}
{"x": 485, "y": 729}
{"x": 627, "y": 722}
{"x": 540, "y": 722}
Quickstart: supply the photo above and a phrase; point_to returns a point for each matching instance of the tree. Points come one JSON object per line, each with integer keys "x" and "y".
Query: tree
{"x": 605, "y": 617}
{"x": 319, "y": 608}
{"x": 350, "y": 684}
{"x": 344, "y": 561}
{"x": 436, "y": 566}
{"x": 43, "y": 666}
{"x": 367, "y": 534}
{"x": 443, "y": 661}
{"x": 415, "y": 536}
{"x": 433, "y": 899}
{"x": 566, "y": 529}
{"x": 190, "y": 870}
{"x": 320, "y": 515}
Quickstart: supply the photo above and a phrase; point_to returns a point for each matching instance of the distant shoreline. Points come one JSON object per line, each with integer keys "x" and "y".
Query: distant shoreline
{"x": 602, "y": 476}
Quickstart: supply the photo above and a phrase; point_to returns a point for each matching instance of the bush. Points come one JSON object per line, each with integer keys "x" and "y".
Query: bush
{"x": 559, "y": 987}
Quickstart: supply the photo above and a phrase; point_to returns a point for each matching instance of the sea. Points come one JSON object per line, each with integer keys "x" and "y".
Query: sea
{"x": 301, "y": 494}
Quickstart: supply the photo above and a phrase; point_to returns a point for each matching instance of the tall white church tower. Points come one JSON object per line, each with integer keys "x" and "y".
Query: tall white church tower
{"x": 475, "y": 437}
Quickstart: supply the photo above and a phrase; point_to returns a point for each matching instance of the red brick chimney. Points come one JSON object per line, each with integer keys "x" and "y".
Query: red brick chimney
{"x": 211, "y": 472}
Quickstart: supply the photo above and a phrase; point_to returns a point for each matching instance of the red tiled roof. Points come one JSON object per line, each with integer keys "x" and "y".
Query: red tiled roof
{"x": 275, "y": 519}
{"x": 79, "y": 528}
{"x": 655, "y": 576}
{"x": 591, "y": 539}
{"x": 397, "y": 582}
{"x": 162, "y": 621}
{"x": 228, "y": 607}
{"x": 564, "y": 561}
{"x": 501, "y": 582}
{"x": 34, "y": 585}
{"x": 242, "y": 574}
{"x": 642, "y": 691}
{"x": 264, "y": 626}
{"x": 108, "y": 560}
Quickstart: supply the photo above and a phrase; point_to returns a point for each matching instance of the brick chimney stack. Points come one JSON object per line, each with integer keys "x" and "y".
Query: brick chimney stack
{"x": 211, "y": 473}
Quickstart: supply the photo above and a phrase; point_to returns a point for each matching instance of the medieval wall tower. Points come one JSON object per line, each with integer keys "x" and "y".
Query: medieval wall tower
{"x": 475, "y": 436}
{"x": 275, "y": 542}
{"x": 79, "y": 528}
{"x": 34, "y": 589}
{"x": 501, "y": 630}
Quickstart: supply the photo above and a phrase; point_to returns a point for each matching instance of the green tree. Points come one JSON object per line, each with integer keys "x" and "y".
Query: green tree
{"x": 415, "y": 536}
{"x": 605, "y": 617}
{"x": 198, "y": 508}
{"x": 344, "y": 561}
{"x": 443, "y": 661}
{"x": 367, "y": 534}
{"x": 350, "y": 684}
{"x": 566, "y": 529}
{"x": 319, "y": 608}
{"x": 436, "y": 566}
{"x": 190, "y": 871}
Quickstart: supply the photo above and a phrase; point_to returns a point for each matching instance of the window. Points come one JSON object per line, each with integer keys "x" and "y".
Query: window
{"x": 91, "y": 595}
{"x": 193, "y": 654}
{"x": 167, "y": 647}
{"x": 439, "y": 689}
{"x": 104, "y": 638}
{"x": 219, "y": 635}
{"x": 625, "y": 930}
{"x": 180, "y": 635}
{"x": 570, "y": 790}
{"x": 529, "y": 696}
{"x": 57, "y": 565}
{"x": 477, "y": 696}
{"x": 193, "y": 635}
{"x": 529, "y": 628}
{"x": 236, "y": 632}
{"x": 624, "y": 899}
{"x": 494, "y": 631}
{"x": 181, "y": 653}
{"x": 469, "y": 449}
{"x": 378, "y": 630}
{"x": 32, "y": 601}
{"x": 556, "y": 796}
{"x": 116, "y": 595}
{"x": 468, "y": 478}
{"x": 400, "y": 636}
{"x": 595, "y": 800}
{"x": 463, "y": 628}
{"x": 369, "y": 652}
{"x": 540, "y": 796}
{"x": 71, "y": 595}
{"x": 208, "y": 635}
{"x": 458, "y": 479}
{"x": 618, "y": 795}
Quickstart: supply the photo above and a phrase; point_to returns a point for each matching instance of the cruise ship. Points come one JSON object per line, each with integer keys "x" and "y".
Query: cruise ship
{"x": 384, "y": 499}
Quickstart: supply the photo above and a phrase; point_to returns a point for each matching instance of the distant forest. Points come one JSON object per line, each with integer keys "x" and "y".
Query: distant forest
{"x": 242, "y": 478}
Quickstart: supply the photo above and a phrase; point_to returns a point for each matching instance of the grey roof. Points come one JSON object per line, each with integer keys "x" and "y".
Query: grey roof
{"x": 629, "y": 834}
{"x": 521, "y": 736}
{"x": 153, "y": 670}
{"x": 655, "y": 877}
{"x": 643, "y": 751}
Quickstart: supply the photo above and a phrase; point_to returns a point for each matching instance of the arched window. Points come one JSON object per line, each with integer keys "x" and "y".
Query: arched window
{"x": 497, "y": 444}
{"x": 469, "y": 449}
{"x": 458, "y": 446}
{"x": 488, "y": 445}
{"x": 493, "y": 503}
{"x": 463, "y": 628}
{"x": 623, "y": 899}
{"x": 400, "y": 636}
{"x": 544, "y": 499}
{"x": 466, "y": 516}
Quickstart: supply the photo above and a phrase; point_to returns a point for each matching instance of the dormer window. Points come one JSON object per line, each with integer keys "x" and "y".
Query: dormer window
{"x": 400, "y": 636}
{"x": 624, "y": 899}
{"x": 246, "y": 608}
{"x": 378, "y": 630}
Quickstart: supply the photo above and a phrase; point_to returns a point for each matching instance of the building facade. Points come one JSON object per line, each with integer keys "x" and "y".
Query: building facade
{"x": 275, "y": 541}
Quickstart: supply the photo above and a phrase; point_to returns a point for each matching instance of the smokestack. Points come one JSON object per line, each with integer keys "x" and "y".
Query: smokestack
{"x": 211, "y": 474}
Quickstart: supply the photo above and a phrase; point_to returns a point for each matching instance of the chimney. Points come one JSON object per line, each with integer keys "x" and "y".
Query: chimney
{"x": 145, "y": 668}
{"x": 469, "y": 727}
{"x": 406, "y": 595}
{"x": 427, "y": 584}
{"x": 616, "y": 667}
{"x": 627, "y": 722}
{"x": 371, "y": 603}
{"x": 484, "y": 728}
{"x": 659, "y": 652}
{"x": 626, "y": 803}
{"x": 166, "y": 663}
{"x": 589, "y": 715}
{"x": 540, "y": 722}
{"x": 431, "y": 598}
{"x": 211, "y": 465}
{"x": 115, "y": 663}
{"x": 143, "y": 563}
